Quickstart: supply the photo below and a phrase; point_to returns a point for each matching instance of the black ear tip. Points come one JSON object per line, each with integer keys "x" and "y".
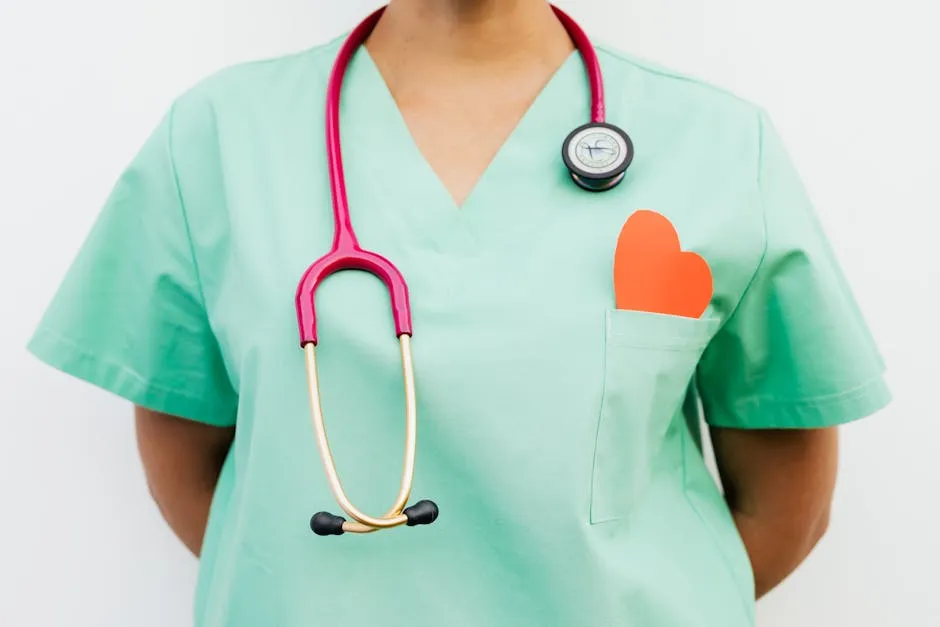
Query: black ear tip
{"x": 327, "y": 524}
{"x": 422, "y": 513}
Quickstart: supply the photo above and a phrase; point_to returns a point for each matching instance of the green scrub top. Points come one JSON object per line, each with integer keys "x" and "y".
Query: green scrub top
{"x": 558, "y": 434}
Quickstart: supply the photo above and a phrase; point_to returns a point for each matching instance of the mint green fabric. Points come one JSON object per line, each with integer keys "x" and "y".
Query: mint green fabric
{"x": 559, "y": 436}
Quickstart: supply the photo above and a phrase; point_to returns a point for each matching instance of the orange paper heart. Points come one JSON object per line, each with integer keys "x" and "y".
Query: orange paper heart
{"x": 653, "y": 274}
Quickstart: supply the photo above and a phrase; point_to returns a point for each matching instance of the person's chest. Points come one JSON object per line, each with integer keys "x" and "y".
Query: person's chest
{"x": 512, "y": 293}
{"x": 527, "y": 249}
{"x": 519, "y": 349}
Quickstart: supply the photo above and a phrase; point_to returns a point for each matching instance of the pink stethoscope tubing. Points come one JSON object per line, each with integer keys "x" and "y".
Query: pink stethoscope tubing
{"x": 347, "y": 254}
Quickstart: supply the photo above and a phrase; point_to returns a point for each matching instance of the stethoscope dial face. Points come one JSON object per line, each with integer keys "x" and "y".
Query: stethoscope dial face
{"x": 597, "y": 155}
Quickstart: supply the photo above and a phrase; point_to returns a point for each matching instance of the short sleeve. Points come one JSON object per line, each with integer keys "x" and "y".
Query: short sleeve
{"x": 795, "y": 352}
{"x": 129, "y": 316}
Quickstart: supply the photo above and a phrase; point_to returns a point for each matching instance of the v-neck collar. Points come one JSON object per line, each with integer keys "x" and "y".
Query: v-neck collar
{"x": 381, "y": 153}
{"x": 370, "y": 68}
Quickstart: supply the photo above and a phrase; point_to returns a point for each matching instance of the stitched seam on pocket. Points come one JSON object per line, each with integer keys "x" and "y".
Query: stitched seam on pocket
{"x": 746, "y": 605}
{"x": 597, "y": 434}
{"x": 689, "y": 334}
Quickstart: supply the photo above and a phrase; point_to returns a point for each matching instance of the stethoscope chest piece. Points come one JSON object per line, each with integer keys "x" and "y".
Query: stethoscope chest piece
{"x": 597, "y": 155}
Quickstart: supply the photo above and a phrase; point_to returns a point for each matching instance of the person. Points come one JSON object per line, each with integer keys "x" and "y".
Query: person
{"x": 559, "y": 431}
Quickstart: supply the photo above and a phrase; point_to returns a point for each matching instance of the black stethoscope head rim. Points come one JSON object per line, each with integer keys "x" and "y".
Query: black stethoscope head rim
{"x": 614, "y": 150}
{"x": 597, "y": 185}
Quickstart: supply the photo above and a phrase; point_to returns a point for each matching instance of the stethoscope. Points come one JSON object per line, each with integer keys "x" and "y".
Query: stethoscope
{"x": 597, "y": 156}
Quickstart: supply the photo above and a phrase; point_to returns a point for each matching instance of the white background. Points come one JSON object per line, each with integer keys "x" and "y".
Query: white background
{"x": 852, "y": 87}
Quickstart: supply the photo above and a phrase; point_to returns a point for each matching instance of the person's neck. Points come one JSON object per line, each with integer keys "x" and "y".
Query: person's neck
{"x": 472, "y": 35}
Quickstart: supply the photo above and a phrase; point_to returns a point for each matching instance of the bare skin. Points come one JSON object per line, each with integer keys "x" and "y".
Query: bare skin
{"x": 182, "y": 460}
{"x": 779, "y": 486}
{"x": 463, "y": 73}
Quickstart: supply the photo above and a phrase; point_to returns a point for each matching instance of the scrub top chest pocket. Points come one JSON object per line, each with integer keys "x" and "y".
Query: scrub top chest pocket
{"x": 653, "y": 341}
{"x": 649, "y": 361}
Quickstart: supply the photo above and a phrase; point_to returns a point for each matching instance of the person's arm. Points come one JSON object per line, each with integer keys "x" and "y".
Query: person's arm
{"x": 182, "y": 460}
{"x": 792, "y": 361}
{"x": 131, "y": 315}
{"x": 779, "y": 486}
